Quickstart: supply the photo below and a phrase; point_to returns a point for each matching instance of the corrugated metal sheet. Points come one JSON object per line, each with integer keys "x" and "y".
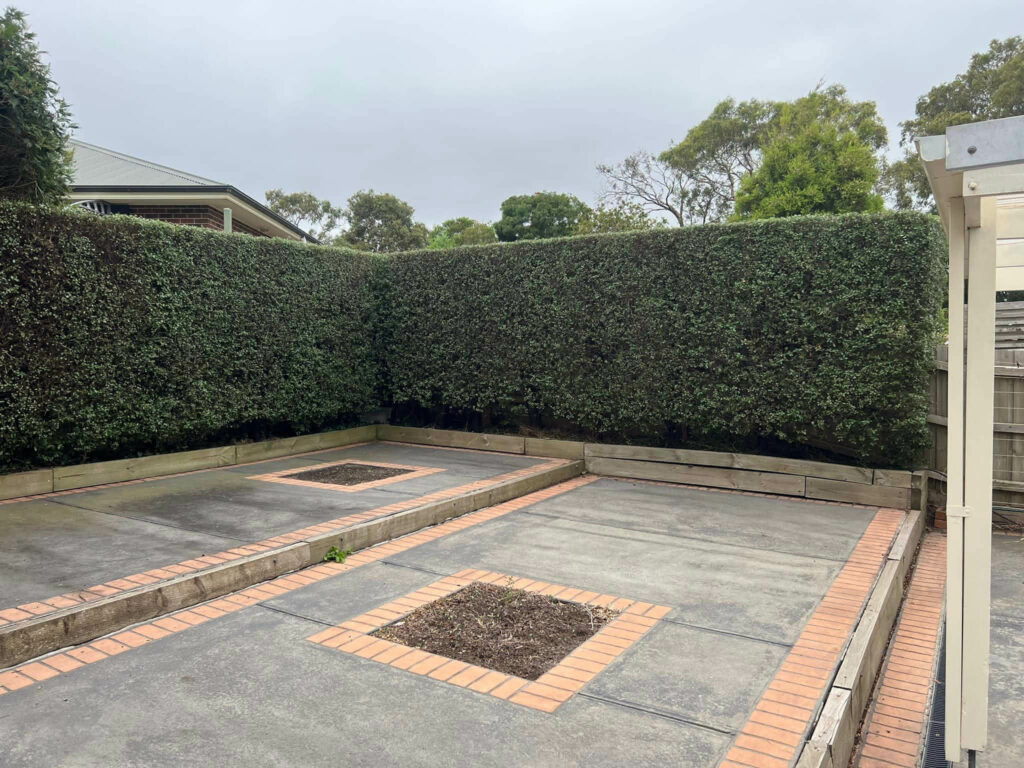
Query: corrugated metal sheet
{"x": 97, "y": 166}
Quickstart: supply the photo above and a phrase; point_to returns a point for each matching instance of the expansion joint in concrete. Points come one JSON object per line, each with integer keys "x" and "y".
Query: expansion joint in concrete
{"x": 275, "y": 609}
{"x": 419, "y": 568}
{"x": 656, "y": 713}
{"x": 147, "y": 521}
{"x": 638, "y": 529}
{"x": 713, "y": 630}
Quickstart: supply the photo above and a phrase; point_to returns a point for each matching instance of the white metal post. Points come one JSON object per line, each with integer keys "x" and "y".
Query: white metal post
{"x": 979, "y": 398}
{"x": 968, "y": 169}
{"x": 955, "y": 478}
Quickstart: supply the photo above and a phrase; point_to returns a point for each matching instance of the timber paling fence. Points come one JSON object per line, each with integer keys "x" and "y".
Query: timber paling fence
{"x": 1008, "y": 429}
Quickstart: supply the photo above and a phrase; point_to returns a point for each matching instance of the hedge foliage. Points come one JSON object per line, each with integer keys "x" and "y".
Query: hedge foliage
{"x": 121, "y": 336}
{"x": 788, "y": 329}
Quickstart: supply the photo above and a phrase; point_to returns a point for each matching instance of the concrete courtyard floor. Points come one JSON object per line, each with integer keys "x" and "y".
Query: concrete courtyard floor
{"x": 73, "y": 540}
{"x": 241, "y": 683}
{"x": 1006, "y": 675}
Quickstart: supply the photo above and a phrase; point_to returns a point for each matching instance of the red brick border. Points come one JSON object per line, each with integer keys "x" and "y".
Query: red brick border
{"x": 894, "y": 729}
{"x": 412, "y": 474}
{"x": 776, "y": 729}
{"x": 26, "y": 611}
{"x": 61, "y": 662}
{"x": 549, "y": 691}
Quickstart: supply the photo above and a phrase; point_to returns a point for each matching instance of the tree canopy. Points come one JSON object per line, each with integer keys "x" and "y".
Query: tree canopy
{"x": 718, "y": 156}
{"x": 819, "y": 157}
{"x": 624, "y": 217}
{"x": 542, "y": 214}
{"x": 461, "y": 231}
{"x": 35, "y": 122}
{"x": 992, "y": 87}
{"x": 818, "y": 169}
{"x": 317, "y": 217}
{"x": 655, "y": 185}
{"x": 382, "y": 223}
{"x": 720, "y": 150}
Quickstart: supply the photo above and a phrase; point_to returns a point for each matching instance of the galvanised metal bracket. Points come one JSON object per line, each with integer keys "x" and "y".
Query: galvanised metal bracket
{"x": 979, "y": 145}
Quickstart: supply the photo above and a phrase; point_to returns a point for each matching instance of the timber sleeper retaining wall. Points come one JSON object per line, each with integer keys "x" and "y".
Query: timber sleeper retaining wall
{"x": 745, "y": 472}
{"x": 42, "y": 481}
{"x": 736, "y": 471}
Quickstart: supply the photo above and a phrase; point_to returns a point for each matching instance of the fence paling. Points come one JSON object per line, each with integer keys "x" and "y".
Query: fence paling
{"x": 1008, "y": 430}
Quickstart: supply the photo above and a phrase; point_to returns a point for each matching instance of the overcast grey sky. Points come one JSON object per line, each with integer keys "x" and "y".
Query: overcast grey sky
{"x": 454, "y": 106}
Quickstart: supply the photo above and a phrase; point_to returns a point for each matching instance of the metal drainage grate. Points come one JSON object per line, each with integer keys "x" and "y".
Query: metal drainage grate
{"x": 935, "y": 741}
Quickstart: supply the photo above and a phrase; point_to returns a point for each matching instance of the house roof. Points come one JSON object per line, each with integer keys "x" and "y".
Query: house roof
{"x": 97, "y": 166}
{"x": 104, "y": 173}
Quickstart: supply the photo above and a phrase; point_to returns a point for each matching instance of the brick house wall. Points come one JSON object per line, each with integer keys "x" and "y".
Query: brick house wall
{"x": 188, "y": 215}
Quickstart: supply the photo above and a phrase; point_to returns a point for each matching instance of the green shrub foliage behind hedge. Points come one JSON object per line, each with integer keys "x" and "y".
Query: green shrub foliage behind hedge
{"x": 119, "y": 335}
{"x": 798, "y": 328}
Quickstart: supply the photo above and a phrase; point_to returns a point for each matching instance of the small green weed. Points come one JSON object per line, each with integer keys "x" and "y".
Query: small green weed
{"x": 337, "y": 555}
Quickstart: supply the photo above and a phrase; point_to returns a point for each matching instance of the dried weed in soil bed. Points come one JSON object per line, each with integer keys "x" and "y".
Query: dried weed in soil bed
{"x": 348, "y": 474}
{"x": 513, "y": 631}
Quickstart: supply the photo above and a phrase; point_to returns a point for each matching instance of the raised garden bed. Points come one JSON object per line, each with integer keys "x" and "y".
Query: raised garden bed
{"x": 509, "y": 630}
{"x": 348, "y": 474}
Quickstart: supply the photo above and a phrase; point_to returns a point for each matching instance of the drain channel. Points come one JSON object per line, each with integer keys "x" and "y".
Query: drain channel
{"x": 935, "y": 741}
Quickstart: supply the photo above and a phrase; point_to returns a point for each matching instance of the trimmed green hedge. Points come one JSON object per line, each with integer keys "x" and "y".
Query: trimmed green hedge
{"x": 121, "y": 336}
{"x": 788, "y": 329}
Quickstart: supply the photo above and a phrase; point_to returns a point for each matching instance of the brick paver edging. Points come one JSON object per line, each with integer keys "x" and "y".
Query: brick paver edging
{"x": 27, "y": 611}
{"x": 894, "y": 729}
{"x": 773, "y": 735}
{"x": 412, "y": 473}
{"x": 64, "y": 661}
{"x": 549, "y": 691}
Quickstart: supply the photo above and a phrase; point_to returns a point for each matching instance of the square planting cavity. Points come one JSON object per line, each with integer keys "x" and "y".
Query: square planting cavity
{"x": 349, "y": 475}
{"x": 533, "y": 643}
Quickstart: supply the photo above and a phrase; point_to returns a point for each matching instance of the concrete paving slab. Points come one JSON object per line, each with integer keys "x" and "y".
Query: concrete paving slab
{"x": 694, "y": 674}
{"x": 734, "y": 588}
{"x": 1006, "y": 694}
{"x": 48, "y": 548}
{"x": 248, "y": 689}
{"x": 757, "y": 522}
{"x": 1006, "y": 680}
{"x": 752, "y": 592}
{"x": 1007, "y": 576}
{"x": 74, "y": 541}
{"x": 227, "y": 502}
{"x": 336, "y": 600}
{"x": 230, "y": 505}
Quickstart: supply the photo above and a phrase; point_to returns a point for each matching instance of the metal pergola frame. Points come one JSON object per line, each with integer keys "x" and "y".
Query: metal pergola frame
{"x": 970, "y": 170}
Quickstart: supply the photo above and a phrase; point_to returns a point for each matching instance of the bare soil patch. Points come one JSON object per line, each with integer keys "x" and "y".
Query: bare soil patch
{"x": 509, "y": 630}
{"x": 348, "y": 474}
